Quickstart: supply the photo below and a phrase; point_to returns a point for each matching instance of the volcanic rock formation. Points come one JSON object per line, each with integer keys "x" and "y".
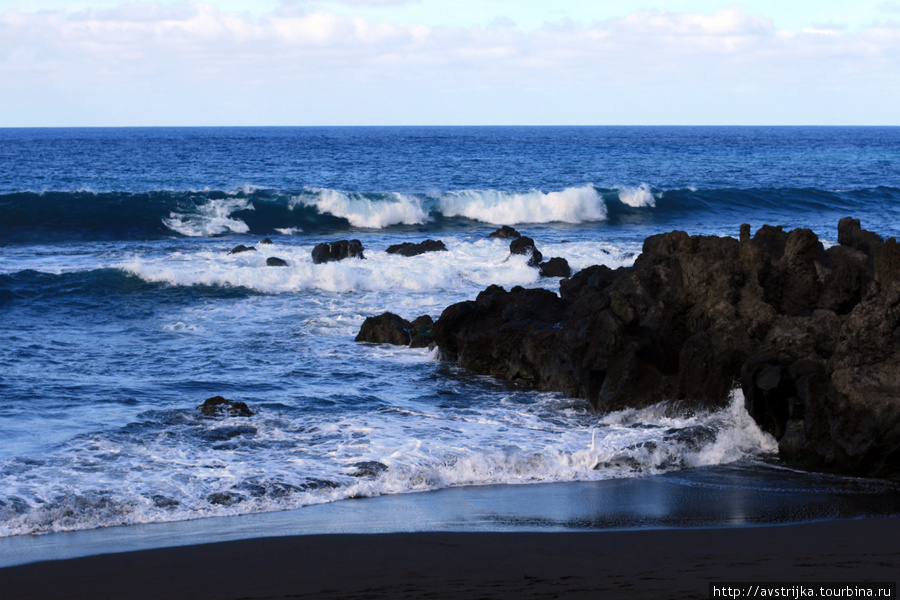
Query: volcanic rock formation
{"x": 811, "y": 335}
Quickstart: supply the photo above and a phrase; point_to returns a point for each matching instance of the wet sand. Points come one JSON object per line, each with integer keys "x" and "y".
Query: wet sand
{"x": 668, "y": 563}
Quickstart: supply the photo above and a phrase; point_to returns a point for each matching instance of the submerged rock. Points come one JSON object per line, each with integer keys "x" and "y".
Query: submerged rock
{"x": 265, "y": 240}
{"x": 161, "y": 501}
{"x": 410, "y": 249}
{"x": 225, "y": 498}
{"x": 274, "y": 261}
{"x": 217, "y": 406}
{"x": 331, "y": 251}
{"x": 368, "y": 468}
{"x": 242, "y": 248}
{"x": 813, "y": 337}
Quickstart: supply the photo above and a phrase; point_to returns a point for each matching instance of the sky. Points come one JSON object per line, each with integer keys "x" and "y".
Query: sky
{"x": 449, "y": 62}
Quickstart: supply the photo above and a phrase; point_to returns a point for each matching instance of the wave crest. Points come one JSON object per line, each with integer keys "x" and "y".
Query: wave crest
{"x": 571, "y": 205}
{"x": 360, "y": 210}
{"x": 637, "y": 197}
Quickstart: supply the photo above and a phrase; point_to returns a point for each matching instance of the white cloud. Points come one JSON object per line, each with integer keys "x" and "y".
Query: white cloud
{"x": 164, "y": 63}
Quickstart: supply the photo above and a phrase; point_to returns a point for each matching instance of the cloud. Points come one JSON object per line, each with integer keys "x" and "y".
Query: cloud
{"x": 171, "y": 56}
{"x": 294, "y": 7}
{"x": 376, "y": 2}
{"x": 726, "y": 22}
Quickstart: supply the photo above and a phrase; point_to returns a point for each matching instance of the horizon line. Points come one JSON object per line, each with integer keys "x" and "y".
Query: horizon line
{"x": 420, "y": 125}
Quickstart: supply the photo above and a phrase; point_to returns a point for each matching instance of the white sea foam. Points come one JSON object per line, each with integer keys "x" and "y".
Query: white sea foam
{"x": 465, "y": 266}
{"x": 363, "y": 211}
{"x": 638, "y": 197}
{"x": 177, "y": 465}
{"x": 571, "y": 205}
{"x": 213, "y": 217}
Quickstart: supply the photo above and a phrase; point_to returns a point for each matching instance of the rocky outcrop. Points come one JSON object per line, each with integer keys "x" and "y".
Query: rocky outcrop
{"x": 242, "y": 248}
{"x": 410, "y": 249}
{"x": 219, "y": 406}
{"x": 274, "y": 261}
{"x": 811, "y": 335}
{"x": 525, "y": 246}
{"x": 330, "y": 251}
{"x": 555, "y": 267}
{"x": 265, "y": 241}
{"x": 388, "y": 328}
{"x": 505, "y": 232}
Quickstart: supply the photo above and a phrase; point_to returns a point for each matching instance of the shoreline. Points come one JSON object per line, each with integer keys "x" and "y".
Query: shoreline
{"x": 662, "y": 563}
{"x": 726, "y": 496}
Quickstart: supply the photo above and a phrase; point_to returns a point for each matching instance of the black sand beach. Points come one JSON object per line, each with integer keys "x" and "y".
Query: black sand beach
{"x": 673, "y": 563}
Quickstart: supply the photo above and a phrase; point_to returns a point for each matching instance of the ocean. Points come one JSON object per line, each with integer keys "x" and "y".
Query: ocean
{"x": 122, "y": 309}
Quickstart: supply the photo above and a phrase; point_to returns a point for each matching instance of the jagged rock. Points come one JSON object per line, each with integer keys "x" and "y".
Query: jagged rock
{"x": 846, "y": 280}
{"x": 217, "y": 405}
{"x": 813, "y": 337}
{"x": 850, "y": 233}
{"x": 505, "y": 232}
{"x": 329, "y": 251}
{"x": 388, "y": 328}
{"x": 242, "y": 248}
{"x": 410, "y": 249}
{"x": 525, "y": 245}
{"x": 274, "y": 261}
{"x": 887, "y": 263}
{"x": 265, "y": 241}
{"x": 555, "y": 267}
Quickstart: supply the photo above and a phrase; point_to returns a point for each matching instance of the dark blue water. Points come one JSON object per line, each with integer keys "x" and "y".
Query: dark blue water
{"x": 121, "y": 183}
{"x": 121, "y": 308}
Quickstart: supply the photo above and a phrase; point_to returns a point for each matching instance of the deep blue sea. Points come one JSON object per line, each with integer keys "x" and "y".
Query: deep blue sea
{"x": 121, "y": 309}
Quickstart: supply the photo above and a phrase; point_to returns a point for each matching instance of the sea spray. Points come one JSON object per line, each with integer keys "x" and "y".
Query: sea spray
{"x": 637, "y": 197}
{"x": 572, "y": 205}
{"x": 374, "y": 211}
{"x": 282, "y": 459}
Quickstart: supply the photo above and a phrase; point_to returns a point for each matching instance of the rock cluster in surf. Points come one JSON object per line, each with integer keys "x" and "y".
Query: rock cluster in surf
{"x": 525, "y": 246}
{"x": 332, "y": 251}
{"x": 272, "y": 261}
{"x": 811, "y": 335}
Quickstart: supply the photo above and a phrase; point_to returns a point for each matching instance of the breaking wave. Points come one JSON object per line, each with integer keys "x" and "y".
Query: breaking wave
{"x": 86, "y": 215}
{"x": 571, "y": 205}
{"x": 249, "y": 465}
